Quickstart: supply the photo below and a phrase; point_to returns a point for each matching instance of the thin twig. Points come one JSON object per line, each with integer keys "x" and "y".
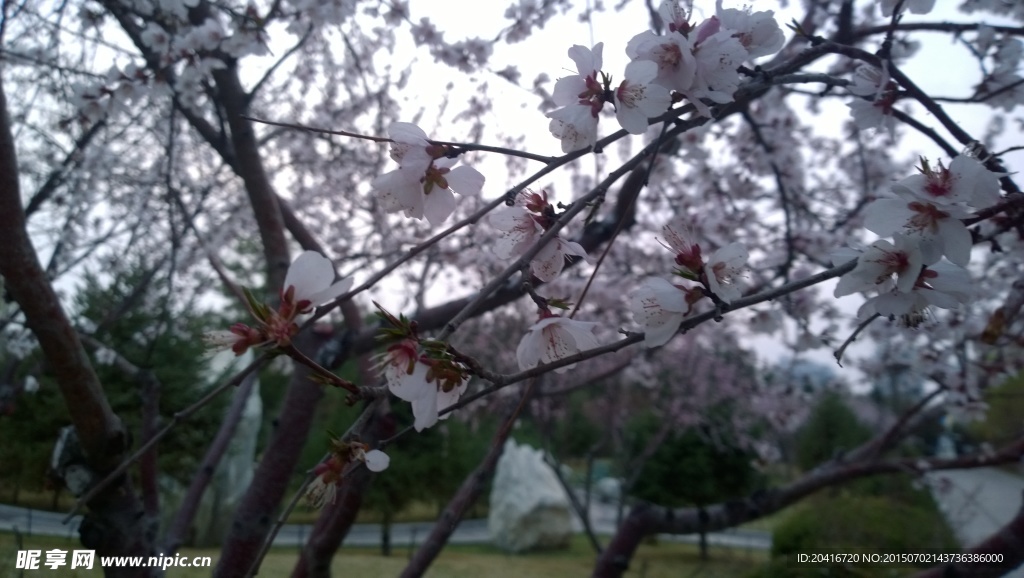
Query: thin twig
{"x": 177, "y": 418}
{"x": 283, "y": 517}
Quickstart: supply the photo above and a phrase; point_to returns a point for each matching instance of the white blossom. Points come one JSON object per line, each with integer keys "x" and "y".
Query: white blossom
{"x": 575, "y": 125}
{"x": 659, "y": 307}
{"x": 758, "y": 32}
{"x": 673, "y": 55}
{"x": 554, "y": 338}
{"x": 722, "y": 268}
{"x": 312, "y": 277}
{"x": 965, "y": 182}
{"x": 406, "y": 374}
{"x": 938, "y": 231}
{"x": 872, "y": 115}
{"x": 581, "y": 98}
{"x": 423, "y": 186}
{"x": 520, "y": 230}
{"x": 716, "y": 77}
{"x": 943, "y": 285}
{"x": 376, "y": 460}
{"x": 879, "y": 263}
{"x": 638, "y": 98}
{"x": 588, "y": 64}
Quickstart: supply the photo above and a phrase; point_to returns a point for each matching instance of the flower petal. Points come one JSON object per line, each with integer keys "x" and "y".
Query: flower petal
{"x": 528, "y": 351}
{"x": 332, "y": 292}
{"x": 445, "y": 399}
{"x": 309, "y": 273}
{"x": 424, "y": 409}
{"x": 886, "y": 216}
{"x": 438, "y": 205}
{"x": 377, "y": 461}
{"x": 465, "y": 180}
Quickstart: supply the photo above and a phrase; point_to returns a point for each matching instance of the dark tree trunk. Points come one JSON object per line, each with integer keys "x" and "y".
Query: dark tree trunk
{"x": 116, "y": 524}
{"x": 254, "y": 515}
{"x": 385, "y": 533}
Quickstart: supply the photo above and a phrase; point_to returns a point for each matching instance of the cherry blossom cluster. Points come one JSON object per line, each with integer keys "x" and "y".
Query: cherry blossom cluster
{"x": 424, "y": 182}
{"x": 522, "y": 225}
{"x": 423, "y": 372}
{"x": 696, "y": 62}
{"x": 308, "y": 283}
{"x": 659, "y": 306}
{"x": 924, "y": 265}
{"x": 329, "y": 473}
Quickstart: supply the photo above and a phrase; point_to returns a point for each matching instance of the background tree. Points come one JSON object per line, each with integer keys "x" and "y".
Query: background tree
{"x": 831, "y": 430}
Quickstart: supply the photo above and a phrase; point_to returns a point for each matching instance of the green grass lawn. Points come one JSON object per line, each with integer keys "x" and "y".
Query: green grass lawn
{"x": 653, "y": 560}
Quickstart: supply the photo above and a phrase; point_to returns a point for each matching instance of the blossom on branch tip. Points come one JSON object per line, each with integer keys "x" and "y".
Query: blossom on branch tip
{"x": 659, "y": 307}
{"x": 872, "y": 115}
{"x": 680, "y": 238}
{"x": 415, "y": 378}
{"x": 239, "y": 338}
{"x": 930, "y": 206}
{"x": 938, "y": 231}
{"x": 965, "y": 182}
{"x": 406, "y": 136}
{"x": 550, "y": 261}
{"x": 878, "y": 92}
{"x": 586, "y": 86}
{"x": 671, "y": 53}
{"x": 758, "y": 32}
{"x": 310, "y": 282}
{"x": 877, "y": 265}
{"x": 329, "y": 473}
{"x": 519, "y": 227}
{"x": 581, "y": 98}
{"x": 424, "y": 183}
{"x": 943, "y": 285}
{"x": 638, "y": 99}
{"x": 553, "y": 338}
{"x": 716, "y": 78}
{"x": 722, "y": 268}
{"x": 522, "y": 225}
{"x": 575, "y": 125}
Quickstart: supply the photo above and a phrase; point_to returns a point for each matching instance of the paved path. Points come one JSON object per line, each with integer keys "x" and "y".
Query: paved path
{"x": 977, "y": 502}
{"x": 39, "y": 523}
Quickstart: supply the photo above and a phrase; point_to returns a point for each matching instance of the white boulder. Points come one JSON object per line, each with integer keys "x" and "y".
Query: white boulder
{"x": 529, "y": 508}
